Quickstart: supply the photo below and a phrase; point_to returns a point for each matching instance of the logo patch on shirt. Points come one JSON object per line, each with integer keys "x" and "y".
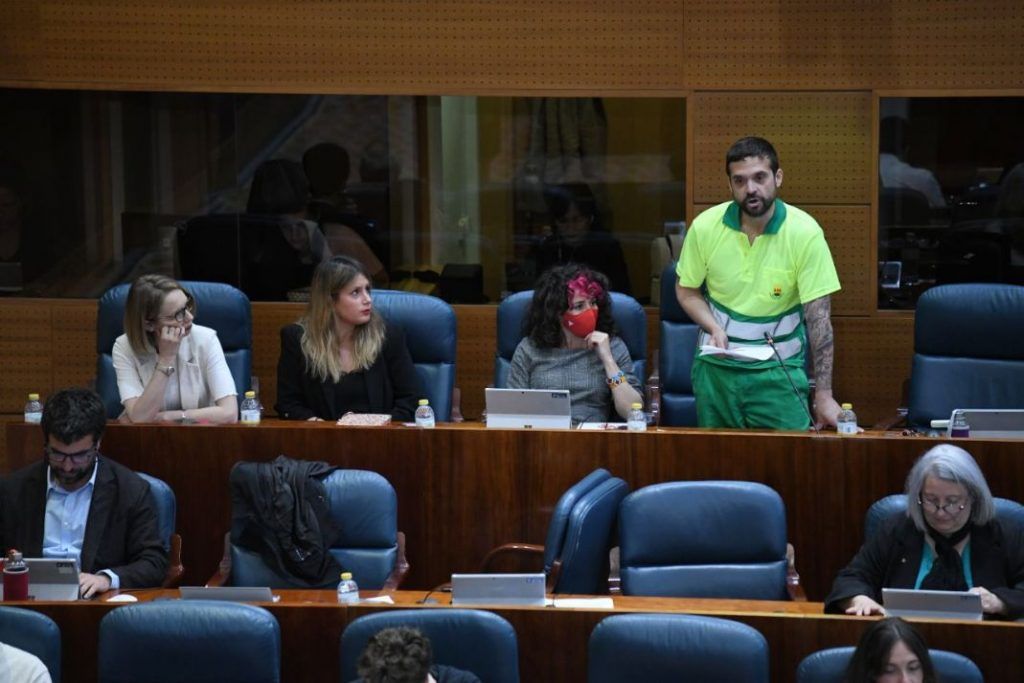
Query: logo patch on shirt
{"x": 776, "y": 291}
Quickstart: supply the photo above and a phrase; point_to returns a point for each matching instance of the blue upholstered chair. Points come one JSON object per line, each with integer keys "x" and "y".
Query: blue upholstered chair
{"x": 218, "y": 306}
{"x": 667, "y": 648}
{"x": 954, "y": 365}
{"x": 828, "y": 666}
{"x": 579, "y": 536}
{"x": 723, "y": 539}
{"x": 884, "y": 508}
{"x": 472, "y": 640}
{"x": 189, "y": 640}
{"x": 370, "y": 546}
{"x": 34, "y": 633}
{"x": 166, "y": 516}
{"x": 629, "y": 318}
{"x": 677, "y": 350}
{"x": 429, "y": 326}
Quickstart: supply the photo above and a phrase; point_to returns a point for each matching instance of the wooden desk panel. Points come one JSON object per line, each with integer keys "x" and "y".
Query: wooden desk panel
{"x": 553, "y": 642}
{"x": 464, "y": 489}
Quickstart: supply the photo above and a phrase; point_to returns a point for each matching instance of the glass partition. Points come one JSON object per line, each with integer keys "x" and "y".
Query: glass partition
{"x": 951, "y": 194}
{"x": 467, "y": 198}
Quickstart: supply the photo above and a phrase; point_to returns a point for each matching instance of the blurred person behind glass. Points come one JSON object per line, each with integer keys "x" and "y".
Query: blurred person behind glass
{"x": 578, "y": 237}
{"x": 326, "y": 167}
{"x": 26, "y": 247}
{"x": 890, "y": 651}
{"x": 168, "y": 369}
{"x": 948, "y": 539}
{"x": 570, "y": 343}
{"x": 284, "y": 260}
{"x": 342, "y": 356}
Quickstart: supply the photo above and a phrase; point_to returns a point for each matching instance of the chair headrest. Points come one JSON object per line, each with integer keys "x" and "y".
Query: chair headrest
{"x": 219, "y": 306}
{"x": 949, "y": 317}
{"x": 428, "y": 323}
{"x": 671, "y": 311}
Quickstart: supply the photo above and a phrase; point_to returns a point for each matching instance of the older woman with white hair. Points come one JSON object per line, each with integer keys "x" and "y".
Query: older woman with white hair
{"x": 948, "y": 539}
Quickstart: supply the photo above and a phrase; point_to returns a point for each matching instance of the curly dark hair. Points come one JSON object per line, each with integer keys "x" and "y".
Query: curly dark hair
{"x": 543, "y": 320}
{"x": 872, "y": 653}
{"x": 71, "y": 414}
{"x": 396, "y": 655}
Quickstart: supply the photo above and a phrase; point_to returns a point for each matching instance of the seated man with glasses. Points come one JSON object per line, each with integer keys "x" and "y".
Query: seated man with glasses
{"x": 75, "y": 503}
{"x": 948, "y": 539}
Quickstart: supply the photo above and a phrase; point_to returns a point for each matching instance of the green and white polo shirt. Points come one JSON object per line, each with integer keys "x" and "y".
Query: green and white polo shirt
{"x": 760, "y": 287}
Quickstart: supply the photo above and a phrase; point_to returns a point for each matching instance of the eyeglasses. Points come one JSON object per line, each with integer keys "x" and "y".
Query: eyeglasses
{"x": 179, "y": 315}
{"x": 951, "y": 508}
{"x": 79, "y": 458}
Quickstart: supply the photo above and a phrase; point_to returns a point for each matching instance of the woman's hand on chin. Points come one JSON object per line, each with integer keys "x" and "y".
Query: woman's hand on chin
{"x": 600, "y": 343}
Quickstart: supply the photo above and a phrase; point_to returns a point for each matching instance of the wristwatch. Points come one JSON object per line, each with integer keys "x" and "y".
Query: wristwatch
{"x": 167, "y": 370}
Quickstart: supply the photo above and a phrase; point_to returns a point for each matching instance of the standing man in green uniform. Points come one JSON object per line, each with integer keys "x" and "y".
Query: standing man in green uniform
{"x": 766, "y": 272}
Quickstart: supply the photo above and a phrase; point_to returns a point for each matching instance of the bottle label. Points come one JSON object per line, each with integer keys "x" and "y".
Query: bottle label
{"x": 847, "y": 427}
{"x": 251, "y": 417}
{"x": 637, "y": 422}
{"x": 33, "y": 418}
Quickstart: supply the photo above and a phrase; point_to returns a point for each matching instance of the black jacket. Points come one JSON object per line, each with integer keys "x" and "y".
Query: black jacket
{"x": 892, "y": 559}
{"x": 121, "y": 531}
{"x": 391, "y": 382}
{"x": 280, "y": 510}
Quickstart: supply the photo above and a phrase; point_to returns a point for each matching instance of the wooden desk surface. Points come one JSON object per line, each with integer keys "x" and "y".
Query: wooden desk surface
{"x": 553, "y": 641}
{"x": 463, "y": 489}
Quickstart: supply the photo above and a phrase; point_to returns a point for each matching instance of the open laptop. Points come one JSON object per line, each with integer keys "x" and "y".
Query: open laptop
{"x": 51, "y": 578}
{"x": 229, "y": 593}
{"x": 528, "y": 408}
{"x": 992, "y": 423}
{"x": 902, "y": 602}
{"x": 498, "y": 589}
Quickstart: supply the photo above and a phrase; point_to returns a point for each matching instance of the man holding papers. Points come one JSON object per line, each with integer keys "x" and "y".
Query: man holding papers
{"x": 767, "y": 273}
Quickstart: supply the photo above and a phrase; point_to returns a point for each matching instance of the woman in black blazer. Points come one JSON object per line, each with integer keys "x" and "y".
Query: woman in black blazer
{"x": 341, "y": 356}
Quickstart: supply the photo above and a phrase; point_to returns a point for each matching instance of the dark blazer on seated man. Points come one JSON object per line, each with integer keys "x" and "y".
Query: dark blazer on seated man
{"x": 91, "y": 507}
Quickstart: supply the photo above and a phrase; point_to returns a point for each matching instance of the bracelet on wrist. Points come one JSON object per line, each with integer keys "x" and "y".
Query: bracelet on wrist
{"x": 616, "y": 379}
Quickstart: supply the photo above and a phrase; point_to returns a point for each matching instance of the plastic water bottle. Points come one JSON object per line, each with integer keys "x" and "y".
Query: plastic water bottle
{"x": 250, "y": 409}
{"x": 348, "y": 591}
{"x": 654, "y": 397}
{"x": 33, "y": 410}
{"x": 637, "y": 421}
{"x": 960, "y": 428}
{"x": 425, "y": 415}
{"x": 847, "y": 421}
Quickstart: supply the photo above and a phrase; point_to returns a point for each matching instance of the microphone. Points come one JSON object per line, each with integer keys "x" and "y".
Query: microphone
{"x": 771, "y": 342}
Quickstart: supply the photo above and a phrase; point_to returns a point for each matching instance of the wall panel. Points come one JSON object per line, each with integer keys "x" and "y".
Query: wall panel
{"x": 350, "y": 46}
{"x": 823, "y": 140}
{"x": 873, "y": 358}
{"x": 26, "y": 357}
{"x": 457, "y": 46}
{"x": 808, "y": 45}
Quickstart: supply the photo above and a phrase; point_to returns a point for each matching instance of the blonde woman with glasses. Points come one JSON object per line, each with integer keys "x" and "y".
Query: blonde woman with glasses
{"x": 342, "y": 356}
{"x": 168, "y": 369}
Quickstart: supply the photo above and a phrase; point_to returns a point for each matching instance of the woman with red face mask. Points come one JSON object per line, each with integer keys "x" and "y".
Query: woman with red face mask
{"x": 570, "y": 343}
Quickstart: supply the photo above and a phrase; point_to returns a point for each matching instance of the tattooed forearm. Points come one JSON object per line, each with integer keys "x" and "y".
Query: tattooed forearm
{"x": 818, "y": 317}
